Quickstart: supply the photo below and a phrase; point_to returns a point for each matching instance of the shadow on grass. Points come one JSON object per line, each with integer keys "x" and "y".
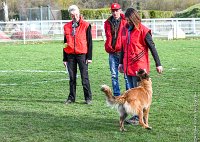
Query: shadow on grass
{"x": 43, "y": 126}
{"x": 74, "y": 122}
{"x": 68, "y": 127}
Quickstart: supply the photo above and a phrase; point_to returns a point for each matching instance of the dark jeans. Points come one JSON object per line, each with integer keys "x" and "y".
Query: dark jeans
{"x": 132, "y": 81}
{"x": 114, "y": 63}
{"x": 72, "y": 61}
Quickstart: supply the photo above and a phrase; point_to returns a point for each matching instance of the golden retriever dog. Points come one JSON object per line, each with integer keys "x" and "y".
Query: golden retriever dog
{"x": 135, "y": 101}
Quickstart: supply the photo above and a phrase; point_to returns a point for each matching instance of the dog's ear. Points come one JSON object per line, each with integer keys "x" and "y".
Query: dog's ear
{"x": 142, "y": 74}
{"x": 141, "y": 71}
{"x": 146, "y": 76}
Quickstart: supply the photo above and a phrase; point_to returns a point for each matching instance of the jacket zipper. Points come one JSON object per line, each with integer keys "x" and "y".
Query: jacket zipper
{"x": 74, "y": 44}
{"x": 128, "y": 42}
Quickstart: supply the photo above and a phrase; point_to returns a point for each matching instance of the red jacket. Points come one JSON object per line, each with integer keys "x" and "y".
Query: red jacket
{"x": 76, "y": 44}
{"x": 108, "y": 26}
{"x": 135, "y": 50}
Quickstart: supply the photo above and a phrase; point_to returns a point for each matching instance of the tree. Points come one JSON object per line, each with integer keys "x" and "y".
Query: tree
{"x": 17, "y": 6}
{"x": 4, "y": 11}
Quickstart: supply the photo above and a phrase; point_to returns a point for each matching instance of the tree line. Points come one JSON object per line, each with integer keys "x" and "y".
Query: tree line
{"x": 18, "y": 6}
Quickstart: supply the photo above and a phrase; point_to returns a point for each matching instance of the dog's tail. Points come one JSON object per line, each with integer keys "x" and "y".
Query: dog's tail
{"x": 112, "y": 100}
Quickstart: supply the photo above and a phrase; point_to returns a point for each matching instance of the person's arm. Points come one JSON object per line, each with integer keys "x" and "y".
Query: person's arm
{"x": 89, "y": 43}
{"x": 108, "y": 42}
{"x": 151, "y": 46}
{"x": 121, "y": 56}
{"x": 65, "y": 40}
{"x": 120, "y": 67}
{"x": 64, "y": 53}
{"x": 64, "y": 56}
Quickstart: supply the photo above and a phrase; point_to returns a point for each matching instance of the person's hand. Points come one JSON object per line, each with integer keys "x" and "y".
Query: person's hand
{"x": 88, "y": 61}
{"x": 159, "y": 69}
{"x": 120, "y": 68}
{"x": 65, "y": 63}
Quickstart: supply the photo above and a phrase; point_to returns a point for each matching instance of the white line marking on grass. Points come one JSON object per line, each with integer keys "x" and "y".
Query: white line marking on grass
{"x": 173, "y": 69}
{"x": 46, "y": 81}
{"x": 32, "y": 83}
{"x": 34, "y": 71}
{"x": 195, "y": 118}
{"x": 11, "y": 84}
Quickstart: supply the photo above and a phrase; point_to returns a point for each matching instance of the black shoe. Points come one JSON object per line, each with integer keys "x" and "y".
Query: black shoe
{"x": 88, "y": 102}
{"x": 133, "y": 120}
{"x": 68, "y": 102}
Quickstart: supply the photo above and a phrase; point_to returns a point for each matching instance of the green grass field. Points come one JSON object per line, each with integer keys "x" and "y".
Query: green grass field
{"x": 34, "y": 85}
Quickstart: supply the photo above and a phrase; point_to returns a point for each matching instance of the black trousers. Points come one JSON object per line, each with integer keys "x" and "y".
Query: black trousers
{"x": 72, "y": 61}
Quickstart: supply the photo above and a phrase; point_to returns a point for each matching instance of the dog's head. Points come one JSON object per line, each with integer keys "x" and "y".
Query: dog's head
{"x": 144, "y": 78}
{"x": 142, "y": 74}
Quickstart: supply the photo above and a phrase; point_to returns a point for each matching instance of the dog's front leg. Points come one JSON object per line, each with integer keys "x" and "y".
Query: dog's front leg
{"x": 141, "y": 121}
{"x": 146, "y": 115}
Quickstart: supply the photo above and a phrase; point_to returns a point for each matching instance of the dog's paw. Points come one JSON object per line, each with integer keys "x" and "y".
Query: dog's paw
{"x": 123, "y": 130}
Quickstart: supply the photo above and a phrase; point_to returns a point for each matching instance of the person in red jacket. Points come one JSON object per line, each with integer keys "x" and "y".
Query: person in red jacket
{"x": 78, "y": 51}
{"x": 113, "y": 28}
{"x": 137, "y": 41}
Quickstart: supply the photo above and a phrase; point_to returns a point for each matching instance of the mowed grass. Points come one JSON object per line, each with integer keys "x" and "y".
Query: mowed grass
{"x": 34, "y": 85}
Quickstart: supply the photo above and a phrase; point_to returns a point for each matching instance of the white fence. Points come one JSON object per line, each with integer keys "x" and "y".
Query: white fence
{"x": 53, "y": 30}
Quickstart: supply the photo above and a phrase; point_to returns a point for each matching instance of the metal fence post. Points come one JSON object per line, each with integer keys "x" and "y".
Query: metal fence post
{"x": 154, "y": 26}
{"x": 41, "y": 16}
{"x": 24, "y": 32}
{"x": 61, "y": 27}
{"x": 194, "y": 26}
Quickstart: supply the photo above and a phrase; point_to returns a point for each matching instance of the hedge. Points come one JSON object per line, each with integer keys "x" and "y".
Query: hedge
{"x": 146, "y": 14}
{"x": 97, "y": 13}
{"x": 194, "y": 13}
{"x": 87, "y": 13}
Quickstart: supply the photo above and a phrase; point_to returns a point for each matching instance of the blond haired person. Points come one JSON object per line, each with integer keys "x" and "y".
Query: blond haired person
{"x": 78, "y": 51}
